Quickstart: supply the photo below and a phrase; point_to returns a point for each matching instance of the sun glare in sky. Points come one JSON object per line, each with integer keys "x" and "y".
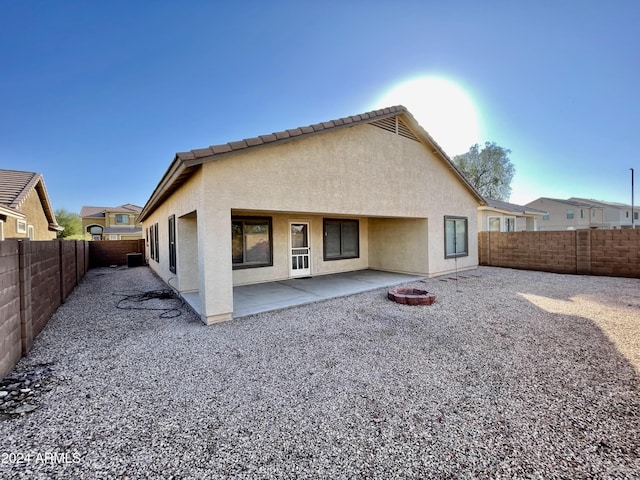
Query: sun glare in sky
{"x": 441, "y": 107}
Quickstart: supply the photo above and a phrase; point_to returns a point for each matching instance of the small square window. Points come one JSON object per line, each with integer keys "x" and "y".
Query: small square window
{"x": 341, "y": 239}
{"x": 570, "y": 213}
{"x": 545, "y": 217}
{"x": 21, "y": 226}
{"x": 122, "y": 218}
{"x": 251, "y": 242}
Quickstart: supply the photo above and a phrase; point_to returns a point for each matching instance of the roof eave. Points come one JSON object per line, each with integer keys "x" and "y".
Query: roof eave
{"x": 174, "y": 171}
{"x": 443, "y": 155}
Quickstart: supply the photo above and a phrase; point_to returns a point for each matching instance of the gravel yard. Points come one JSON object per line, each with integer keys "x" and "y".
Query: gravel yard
{"x": 510, "y": 374}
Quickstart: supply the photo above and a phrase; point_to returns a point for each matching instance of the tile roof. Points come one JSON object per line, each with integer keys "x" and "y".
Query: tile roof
{"x": 290, "y": 134}
{"x": 15, "y": 185}
{"x": 99, "y": 212}
{"x": 512, "y": 207}
{"x": 600, "y": 203}
{"x": 125, "y": 230}
{"x": 185, "y": 163}
{"x": 572, "y": 203}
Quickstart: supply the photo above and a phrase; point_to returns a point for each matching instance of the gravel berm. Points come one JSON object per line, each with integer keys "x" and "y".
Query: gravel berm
{"x": 510, "y": 374}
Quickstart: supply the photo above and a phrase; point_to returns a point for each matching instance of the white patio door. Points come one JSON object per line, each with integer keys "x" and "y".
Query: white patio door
{"x": 300, "y": 264}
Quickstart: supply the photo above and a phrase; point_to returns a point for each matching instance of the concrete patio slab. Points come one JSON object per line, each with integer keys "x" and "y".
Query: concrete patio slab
{"x": 264, "y": 297}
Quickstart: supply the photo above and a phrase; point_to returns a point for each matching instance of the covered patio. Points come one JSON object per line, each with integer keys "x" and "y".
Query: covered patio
{"x": 268, "y": 296}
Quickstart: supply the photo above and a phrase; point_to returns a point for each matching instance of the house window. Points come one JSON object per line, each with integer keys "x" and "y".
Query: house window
{"x": 122, "y": 218}
{"x": 509, "y": 224}
{"x": 156, "y": 242}
{"x": 341, "y": 239}
{"x": 494, "y": 224}
{"x": 635, "y": 215}
{"x": 593, "y": 214}
{"x": 113, "y": 237}
{"x": 581, "y": 213}
{"x": 455, "y": 237}
{"x": 21, "y": 226}
{"x": 251, "y": 242}
{"x": 152, "y": 243}
{"x": 570, "y": 213}
{"x": 153, "y": 237}
{"x": 31, "y": 232}
{"x": 545, "y": 216}
{"x": 172, "y": 243}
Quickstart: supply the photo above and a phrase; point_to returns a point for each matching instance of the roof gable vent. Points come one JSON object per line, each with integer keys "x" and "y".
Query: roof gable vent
{"x": 395, "y": 125}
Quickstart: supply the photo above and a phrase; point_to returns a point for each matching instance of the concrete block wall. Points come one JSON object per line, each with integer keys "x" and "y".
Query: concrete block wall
{"x": 114, "y": 252}
{"x": 10, "y": 333}
{"x": 35, "y": 278}
{"x": 586, "y": 252}
{"x": 616, "y": 252}
{"x": 45, "y": 283}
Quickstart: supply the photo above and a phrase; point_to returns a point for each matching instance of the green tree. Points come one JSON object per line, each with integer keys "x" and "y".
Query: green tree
{"x": 489, "y": 170}
{"x": 71, "y": 222}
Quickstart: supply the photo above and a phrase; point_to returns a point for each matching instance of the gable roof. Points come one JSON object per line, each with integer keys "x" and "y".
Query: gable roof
{"x": 185, "y": 163}
{"x": 601, "y": 203}
{"x": 99, "y": 212}
{"x": 571, "y": 203}
{"x": 511, "y": 208}
{"x": 16, "y": 185}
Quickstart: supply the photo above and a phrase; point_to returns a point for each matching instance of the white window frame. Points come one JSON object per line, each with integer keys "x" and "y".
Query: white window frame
{"x": 31, "y": 232}
{"x": 21, "y": 226}
{"x": 114, "y": 237}
{"x": 455, "y": 221}
{"x": 506, "y": 227}
{"x": 489, "y": 224}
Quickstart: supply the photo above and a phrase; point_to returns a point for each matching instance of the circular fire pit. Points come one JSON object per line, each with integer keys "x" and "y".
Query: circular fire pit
{"x": 411, "y": 296}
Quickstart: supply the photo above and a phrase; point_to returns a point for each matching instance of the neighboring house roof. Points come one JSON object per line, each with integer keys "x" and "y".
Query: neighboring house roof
{"x": 185, "y": 163}
{"x": 600, "y": 203}
{"x": 99, "y": 212}
{"x": 121, "y": 230}
{"x": 506, "y": 207}
{"x": 16, "y": 185}
{"x": 571, "y": 203}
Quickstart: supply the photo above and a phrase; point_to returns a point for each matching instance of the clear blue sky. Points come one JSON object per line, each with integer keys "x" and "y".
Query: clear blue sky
{"x": 99, "y": 95}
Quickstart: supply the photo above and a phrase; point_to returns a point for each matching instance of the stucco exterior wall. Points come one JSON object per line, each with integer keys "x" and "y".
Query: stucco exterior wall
{"x": 400, "y": 245}
{"x": 35, "y": 216}
{"x": 281, "y": 249}
{"x": 398, "y": 188}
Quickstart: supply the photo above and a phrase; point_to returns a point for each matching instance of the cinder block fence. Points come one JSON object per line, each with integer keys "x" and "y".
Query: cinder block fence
{"x": 586, "y": 252}
{"x": 35, "y": 278}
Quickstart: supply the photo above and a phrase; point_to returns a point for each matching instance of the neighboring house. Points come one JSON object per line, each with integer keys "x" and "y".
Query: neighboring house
{"x": 366, "y": 191}
{"x": 615, "y": 215}
{"x": 579, "y": 213}
{"x": 499, "y": 216}
{"x": 112, "y": 223}
{"x": 25, "y": 208}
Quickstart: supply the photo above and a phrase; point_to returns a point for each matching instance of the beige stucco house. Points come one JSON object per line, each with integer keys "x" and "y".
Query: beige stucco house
{"x": 370, "y": 191}
{"x": 25, "y": 208}
{"x": 570, "y": 214}
{"x": 498, "y": 216}
{"x": 112, "y": 223}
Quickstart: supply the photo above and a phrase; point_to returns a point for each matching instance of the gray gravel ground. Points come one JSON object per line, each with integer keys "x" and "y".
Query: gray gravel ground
{"x": 510, "y": 374}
